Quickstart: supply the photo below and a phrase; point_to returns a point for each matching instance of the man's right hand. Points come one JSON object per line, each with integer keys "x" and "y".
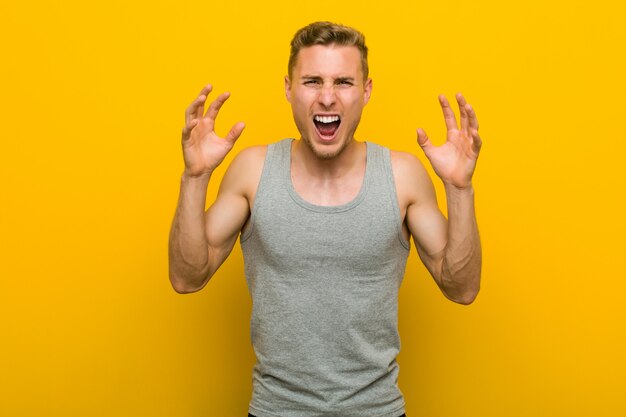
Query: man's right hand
{"x": 203, "y": 149}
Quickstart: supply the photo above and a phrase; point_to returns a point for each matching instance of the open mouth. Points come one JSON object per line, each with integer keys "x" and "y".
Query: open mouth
{"x": 327, "y": 125}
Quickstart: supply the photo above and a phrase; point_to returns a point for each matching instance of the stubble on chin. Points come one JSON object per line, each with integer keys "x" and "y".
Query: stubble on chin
{"x": 325, "y": 156}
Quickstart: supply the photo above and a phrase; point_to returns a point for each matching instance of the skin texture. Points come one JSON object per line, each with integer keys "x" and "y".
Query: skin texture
{"x": 328, "y": 171}
{"x": 324, "y": 82}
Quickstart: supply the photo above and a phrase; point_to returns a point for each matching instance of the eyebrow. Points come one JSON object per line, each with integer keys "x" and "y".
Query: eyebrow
{"x": 311, "y": 77}
{"x": 317, "y": 77}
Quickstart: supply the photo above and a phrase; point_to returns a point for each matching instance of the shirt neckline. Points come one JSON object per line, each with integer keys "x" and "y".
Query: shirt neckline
{"x": 326, "y": 209}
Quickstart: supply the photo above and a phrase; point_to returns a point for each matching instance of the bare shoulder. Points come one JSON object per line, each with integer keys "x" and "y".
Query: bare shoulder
{"x": 406, "y": 163}
{"x": 244, "y": 172}
{"x": 249, "y": 158}
{"x": 413, "y": 184}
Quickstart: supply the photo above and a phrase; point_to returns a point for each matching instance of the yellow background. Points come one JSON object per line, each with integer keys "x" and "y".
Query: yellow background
{"x": 93, "y": 98}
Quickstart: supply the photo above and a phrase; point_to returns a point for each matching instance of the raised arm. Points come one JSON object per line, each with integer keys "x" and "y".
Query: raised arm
{"x": 200, "y": 242}
{"x": 450, "y": 249}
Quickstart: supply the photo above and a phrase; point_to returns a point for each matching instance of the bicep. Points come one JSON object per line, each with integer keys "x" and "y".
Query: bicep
{"x": 231, "y": 209}
{"x": 223, "y": 222}
{"x": 429, "y": 228}
{"x": 422, "y": 217}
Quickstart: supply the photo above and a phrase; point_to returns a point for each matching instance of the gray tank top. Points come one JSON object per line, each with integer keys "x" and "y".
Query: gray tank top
{"x": 324, "y": 284}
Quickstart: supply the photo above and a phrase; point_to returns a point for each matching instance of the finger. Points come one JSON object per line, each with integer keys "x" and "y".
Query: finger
{"x": 206, "y": 90}
{"x": 188, "y": 128}
{"x": 471, "y": 114}
{"x": 448, "y": 114}
{"x": 204, "y": 93}
{"x": 215, "y": 106}
{"x": 235, "y": 132}
{"x": 462, "y": 111}
{"x": 196, "y": 108}
{"x": 423, "y": 141}
{"x": 477, "y": 142}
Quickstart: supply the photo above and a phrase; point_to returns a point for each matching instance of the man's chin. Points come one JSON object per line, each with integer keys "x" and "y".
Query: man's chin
{"x": 325, "y": 151}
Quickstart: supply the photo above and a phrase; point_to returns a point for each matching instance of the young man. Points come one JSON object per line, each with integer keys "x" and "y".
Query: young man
{"x": 325, "y": 223}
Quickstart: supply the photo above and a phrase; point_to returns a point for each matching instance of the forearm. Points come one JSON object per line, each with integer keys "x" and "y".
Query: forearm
{"x": 461, "y": 265}
{"x": 188, "y": 246}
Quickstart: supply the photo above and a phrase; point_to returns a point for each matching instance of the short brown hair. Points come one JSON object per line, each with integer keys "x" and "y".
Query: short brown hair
{"x": 327, "y": 33}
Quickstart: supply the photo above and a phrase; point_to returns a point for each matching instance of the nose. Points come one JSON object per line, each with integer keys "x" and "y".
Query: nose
{"x": 327, "y": 96}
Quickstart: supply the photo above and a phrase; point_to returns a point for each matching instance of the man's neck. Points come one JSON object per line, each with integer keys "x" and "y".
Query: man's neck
{"x": 328, "y": 182}
{"x": 352, "y": 158}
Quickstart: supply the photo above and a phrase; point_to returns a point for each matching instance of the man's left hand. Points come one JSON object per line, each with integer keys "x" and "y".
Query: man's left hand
{"x": 454, "y": 161}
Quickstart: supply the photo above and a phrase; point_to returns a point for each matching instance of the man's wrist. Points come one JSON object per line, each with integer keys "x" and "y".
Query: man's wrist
{"x": 189, "y": 177}
{"x": 459, "y": 190}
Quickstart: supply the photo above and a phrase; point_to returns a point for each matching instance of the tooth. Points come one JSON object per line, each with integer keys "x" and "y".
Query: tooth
{"x": 326, "y": 119}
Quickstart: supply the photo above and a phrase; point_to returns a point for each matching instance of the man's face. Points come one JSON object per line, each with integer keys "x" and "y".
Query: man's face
{"x": 327, "y": 95}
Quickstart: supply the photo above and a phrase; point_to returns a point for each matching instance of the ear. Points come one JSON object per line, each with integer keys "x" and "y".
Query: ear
{"x": 368, "y": 91}
{"x": 287, "y": 88}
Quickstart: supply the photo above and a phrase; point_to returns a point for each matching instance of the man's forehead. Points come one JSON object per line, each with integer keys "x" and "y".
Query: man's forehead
{"x": 317, "y": 60}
